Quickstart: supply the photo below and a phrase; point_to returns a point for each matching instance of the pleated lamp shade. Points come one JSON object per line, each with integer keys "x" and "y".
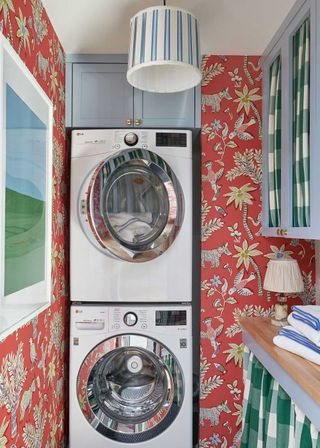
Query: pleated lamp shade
{"x": 283, "y": 276}
{"x": 164, "y": 51}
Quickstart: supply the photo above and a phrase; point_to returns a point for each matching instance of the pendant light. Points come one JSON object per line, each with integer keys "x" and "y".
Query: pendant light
{"x": 164, "y": 51}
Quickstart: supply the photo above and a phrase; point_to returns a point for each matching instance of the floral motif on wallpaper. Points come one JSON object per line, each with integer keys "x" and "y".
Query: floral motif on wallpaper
{"x": 33, "y": 364}
{"x": 234, "y": 254}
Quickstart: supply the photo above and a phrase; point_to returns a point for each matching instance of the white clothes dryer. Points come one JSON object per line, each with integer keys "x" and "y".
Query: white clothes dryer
{"x": 131, "y": 376}
{"x": 131, "y": 216}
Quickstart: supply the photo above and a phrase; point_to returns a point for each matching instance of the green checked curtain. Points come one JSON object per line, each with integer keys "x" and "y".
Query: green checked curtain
{"x": 270, "y": 418}
{"x": 274, "y": 149}
{"x": 301, "y": 126}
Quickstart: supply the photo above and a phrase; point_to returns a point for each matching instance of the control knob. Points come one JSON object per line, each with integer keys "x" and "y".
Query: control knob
{"x": 131, "y": 139}
{"x": 130, "y": 319}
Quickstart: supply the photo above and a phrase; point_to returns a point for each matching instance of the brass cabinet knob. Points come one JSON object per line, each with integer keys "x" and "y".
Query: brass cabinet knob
{"x": 282, "y": 232}
{"x": 129, "y": 122}
{"x": 138, "y": 122}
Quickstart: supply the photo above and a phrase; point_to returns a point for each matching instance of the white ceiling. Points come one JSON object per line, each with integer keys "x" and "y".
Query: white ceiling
{"x": 227, "y": 26}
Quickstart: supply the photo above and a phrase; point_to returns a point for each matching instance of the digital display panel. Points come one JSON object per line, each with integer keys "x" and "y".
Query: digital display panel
{"x": 173, "y": 139}
{"x": 171, "y": 318}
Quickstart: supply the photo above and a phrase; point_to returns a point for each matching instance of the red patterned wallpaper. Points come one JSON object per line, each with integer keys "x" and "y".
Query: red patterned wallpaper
{"x": 33, "y": 367}
{"x": 234, "y": 254}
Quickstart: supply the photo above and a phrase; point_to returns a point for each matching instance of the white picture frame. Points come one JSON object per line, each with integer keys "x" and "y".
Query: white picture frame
{"x": 33, "y": 295}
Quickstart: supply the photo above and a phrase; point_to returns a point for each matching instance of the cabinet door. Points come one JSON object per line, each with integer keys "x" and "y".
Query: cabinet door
{"x": 166, "y": 110}
{"x": 302, "y": 186}
{"x": 102, "y": 97}
{"x": 291, "y": 138}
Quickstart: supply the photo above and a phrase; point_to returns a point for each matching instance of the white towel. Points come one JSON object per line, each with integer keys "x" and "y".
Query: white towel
{"x": 133, "y": 227}
{"x": 135, "y": 232}
{"x": 305, "y": 329}
{"x": 296, "y": 348}
{"x": 122, "y": 218}
{"x": 309, "y": 314}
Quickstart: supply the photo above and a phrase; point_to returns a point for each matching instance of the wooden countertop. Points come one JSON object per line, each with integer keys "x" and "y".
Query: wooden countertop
{"x": 304, "y": 373}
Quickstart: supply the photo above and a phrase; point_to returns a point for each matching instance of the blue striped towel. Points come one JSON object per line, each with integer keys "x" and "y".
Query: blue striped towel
{"x": 298, "y": 337}
{"x": 308, "y": 314}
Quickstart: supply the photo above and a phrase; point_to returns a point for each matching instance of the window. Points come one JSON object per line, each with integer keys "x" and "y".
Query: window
{"x": 25, "y": 203}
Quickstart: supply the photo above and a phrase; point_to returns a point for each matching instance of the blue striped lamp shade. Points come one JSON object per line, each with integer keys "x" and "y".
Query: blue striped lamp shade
{"x": 164, "y": 52}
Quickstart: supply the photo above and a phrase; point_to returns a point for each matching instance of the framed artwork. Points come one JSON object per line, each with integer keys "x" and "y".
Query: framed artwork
{"x": 26, "y": 115}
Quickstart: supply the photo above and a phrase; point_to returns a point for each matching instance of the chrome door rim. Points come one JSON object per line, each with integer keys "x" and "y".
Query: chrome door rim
{"x": 118, "y": 429}
{"x": 108, "y": 241}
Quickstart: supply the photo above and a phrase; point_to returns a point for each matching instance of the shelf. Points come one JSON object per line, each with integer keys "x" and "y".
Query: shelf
{"x": 297, "y": 376}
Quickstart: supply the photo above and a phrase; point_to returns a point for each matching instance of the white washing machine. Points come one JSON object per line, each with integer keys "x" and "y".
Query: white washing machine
{"x": 131, "y": 376}
{"x": 131, "y": 216}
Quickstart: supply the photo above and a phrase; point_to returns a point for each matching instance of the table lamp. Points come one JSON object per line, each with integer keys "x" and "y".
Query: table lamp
{"x": 284, "y": 277}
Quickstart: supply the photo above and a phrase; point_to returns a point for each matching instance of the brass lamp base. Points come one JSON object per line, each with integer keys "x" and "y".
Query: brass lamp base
{"x": 279, "y": 323}
{"x": 280, "y": 312}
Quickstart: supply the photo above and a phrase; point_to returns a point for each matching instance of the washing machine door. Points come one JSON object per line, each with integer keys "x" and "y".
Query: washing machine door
{"x": 133, "y": 205}
{"x": 130, "y": 388}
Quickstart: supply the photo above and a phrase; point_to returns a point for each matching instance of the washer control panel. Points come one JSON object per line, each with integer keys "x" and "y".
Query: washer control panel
{"x": 101, "y": 319}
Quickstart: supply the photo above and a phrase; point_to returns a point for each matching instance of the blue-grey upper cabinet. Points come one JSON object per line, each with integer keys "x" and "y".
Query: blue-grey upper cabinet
{"x": 101, "y": 96}
{"x": 166, "y": 110}
{"x": 291, "y": 132}
{"x": 98, "y": 95}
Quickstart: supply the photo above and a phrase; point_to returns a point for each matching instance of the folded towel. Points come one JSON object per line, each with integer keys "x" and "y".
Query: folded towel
{"x": 297, "y": 336}
{"x": 305, "y": 329}
{"x": 292, "y": 343}
{"x": 309, "y": 314}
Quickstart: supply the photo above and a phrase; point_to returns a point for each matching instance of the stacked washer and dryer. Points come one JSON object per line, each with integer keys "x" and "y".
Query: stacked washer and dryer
{"x": 131, "y": 289}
